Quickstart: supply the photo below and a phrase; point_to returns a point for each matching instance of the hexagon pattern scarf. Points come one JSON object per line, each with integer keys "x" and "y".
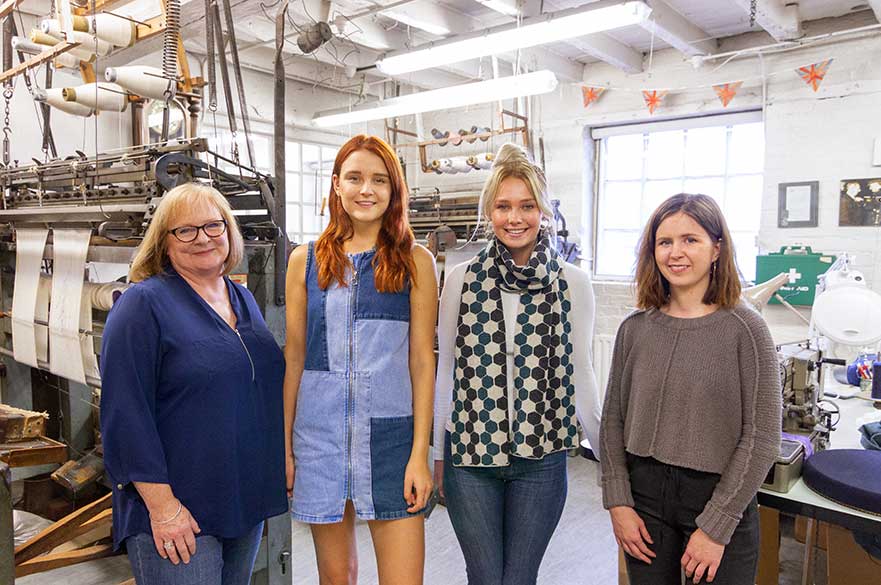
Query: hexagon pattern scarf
{"x": 544, "y": 394}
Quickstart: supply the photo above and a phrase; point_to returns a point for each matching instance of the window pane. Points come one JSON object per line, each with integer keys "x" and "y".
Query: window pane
{"x": 747, "y": 150}
{"x": 655, "y": 193}
{"x": 623, "y": 157}
{"x": 715, "y": 188}
{"x": 292, "y": 156}
{"x": 743, "y": 203}
{"x": 665, "y": 154}
{"x": 292, "y": 218}
{"x": 312, "y": 222}
{"x": 616, "y": 254}
{"x": 262, "y": 156}
{"x": 746, "y": 251}
{"x": 705, "y": 151}
{"x": 328, "y": 155}
{"x": 292, "y": 188}
{"x": 311, "y": 188}
{"x": 621, "y": 204}
{"x": 311, "y": 158}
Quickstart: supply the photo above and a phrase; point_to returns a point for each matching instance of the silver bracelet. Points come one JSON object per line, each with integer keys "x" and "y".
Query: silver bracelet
{"x": 180, "y": 507}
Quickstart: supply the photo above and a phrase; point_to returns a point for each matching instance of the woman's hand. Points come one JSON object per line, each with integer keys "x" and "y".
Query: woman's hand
{"x": 174, "y": 540}
{"x": 439, "y": 477}
{"x": 417, "y": 484}
{"x": 631, "y": 533}
{"x": 290, "y": 470}
{"x": 702, "y": 555}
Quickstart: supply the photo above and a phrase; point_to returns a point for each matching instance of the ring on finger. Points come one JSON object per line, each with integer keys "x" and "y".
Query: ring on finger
{"x": 168, "y": 544}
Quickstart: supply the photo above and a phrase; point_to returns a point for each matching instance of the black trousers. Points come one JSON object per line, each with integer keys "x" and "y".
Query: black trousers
{"x": 669, "y": 499}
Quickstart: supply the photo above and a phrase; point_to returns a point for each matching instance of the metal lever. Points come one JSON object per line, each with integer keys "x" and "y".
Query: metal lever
{"x": 283, "y": 558}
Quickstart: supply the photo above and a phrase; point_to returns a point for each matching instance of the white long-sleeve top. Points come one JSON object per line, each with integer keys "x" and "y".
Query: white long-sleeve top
{"x": 588, "y": 403}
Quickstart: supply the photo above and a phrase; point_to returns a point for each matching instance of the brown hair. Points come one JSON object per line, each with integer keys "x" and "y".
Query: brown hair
{"x": 652, "y": 289}
{"x": 152, "y": 255}
{"x": 393, "y": 263}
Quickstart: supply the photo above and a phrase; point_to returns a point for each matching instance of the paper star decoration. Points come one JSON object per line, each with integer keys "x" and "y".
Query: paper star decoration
{"x": 813, "y": 74}
{"x": 591, "y": 94}
{"x": 727, "y": 91}
{"x": 653, "y": 99}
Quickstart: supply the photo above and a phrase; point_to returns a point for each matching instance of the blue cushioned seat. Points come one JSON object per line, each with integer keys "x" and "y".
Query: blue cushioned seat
{"x": 851, "y": 477}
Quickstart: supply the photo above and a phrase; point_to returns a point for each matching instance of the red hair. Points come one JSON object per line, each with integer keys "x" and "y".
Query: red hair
{"x": 393, "y": 264}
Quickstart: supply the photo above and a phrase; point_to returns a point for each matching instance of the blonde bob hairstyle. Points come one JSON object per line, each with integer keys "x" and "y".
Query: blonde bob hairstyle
{"x": 152, "y": 256}
{"x": 513, "y": 160}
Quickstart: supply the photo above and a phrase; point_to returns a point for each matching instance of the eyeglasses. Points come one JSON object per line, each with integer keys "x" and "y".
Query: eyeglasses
{"x": 188, "y": 233}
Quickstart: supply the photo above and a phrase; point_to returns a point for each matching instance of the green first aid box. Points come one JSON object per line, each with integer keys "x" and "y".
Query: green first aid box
{"x": 804, "y": 267}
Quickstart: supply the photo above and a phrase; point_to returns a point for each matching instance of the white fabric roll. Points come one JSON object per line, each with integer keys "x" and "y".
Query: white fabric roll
{"x": 26, "y": 337}
{"x": 69, "y": 351}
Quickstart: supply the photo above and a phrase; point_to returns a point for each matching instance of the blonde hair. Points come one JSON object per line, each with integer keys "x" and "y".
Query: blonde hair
{"x": 513, "y": 160}
{"x": 152, "y": 256}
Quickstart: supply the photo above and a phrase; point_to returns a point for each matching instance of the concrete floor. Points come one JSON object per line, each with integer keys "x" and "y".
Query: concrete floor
{"x": 582, "y": 551}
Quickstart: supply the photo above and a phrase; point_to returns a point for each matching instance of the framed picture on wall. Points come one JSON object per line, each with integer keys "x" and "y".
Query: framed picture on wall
{"x": 797, "y": 204}
{"x": 860, "y": 202}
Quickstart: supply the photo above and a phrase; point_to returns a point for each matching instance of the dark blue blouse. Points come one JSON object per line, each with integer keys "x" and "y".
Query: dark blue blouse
{"x": 186, "y": 400}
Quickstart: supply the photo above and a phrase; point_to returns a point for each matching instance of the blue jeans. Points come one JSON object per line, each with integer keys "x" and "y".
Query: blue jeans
{"x": 504, "y": 516}
{"x": 218, "y": 561}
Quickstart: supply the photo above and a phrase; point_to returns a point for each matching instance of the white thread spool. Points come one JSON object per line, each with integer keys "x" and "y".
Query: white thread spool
{"x": 485, "y": 160}
{"x": 25, "y": 46}
{"x": 100, "y": 96}
{"x": 142, "y": 80}
{"x": 78, "y": 53}
{"x": 460, "y": 163}
{"x": 113, "y": 29}
{"x": 53, "y": 96}
{"x": 446, "y": 166}
{"x": 87, "y": 42}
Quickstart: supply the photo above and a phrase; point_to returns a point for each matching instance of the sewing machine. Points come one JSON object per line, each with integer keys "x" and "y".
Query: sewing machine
{"x": 806, "y": 421}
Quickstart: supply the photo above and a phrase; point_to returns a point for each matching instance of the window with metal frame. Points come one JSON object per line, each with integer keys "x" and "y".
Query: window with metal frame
{"x": 641, "y": 165}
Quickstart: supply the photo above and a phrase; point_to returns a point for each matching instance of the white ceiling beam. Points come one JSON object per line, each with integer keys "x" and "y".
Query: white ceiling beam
{"x": 605, "y": 48}
{"x": 538, "y": 58}
{"x": 192, "y": 25}
{"x": 780, "y": 18}
{"x": 678, "y": 31}
{"x": 431, "y": 17}
{"x": 875, "y": 5}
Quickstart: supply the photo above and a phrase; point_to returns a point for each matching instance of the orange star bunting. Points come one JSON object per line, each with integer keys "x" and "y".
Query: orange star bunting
{"x": 727, "y": 91}
{"x": 653, "y": 99}
{"x": 591, "y": 94}
{"x": 814, "y": 73}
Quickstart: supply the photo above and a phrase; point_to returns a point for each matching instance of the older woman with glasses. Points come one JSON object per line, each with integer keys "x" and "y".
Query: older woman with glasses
{"x": 191, "y": 406}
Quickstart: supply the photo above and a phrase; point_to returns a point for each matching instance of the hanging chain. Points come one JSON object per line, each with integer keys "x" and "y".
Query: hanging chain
{"x": 7, "y": 129}
{"x": 752, "y": 13}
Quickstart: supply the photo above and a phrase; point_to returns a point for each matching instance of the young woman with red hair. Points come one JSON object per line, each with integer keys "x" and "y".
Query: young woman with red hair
{"x": 361, "y": 311}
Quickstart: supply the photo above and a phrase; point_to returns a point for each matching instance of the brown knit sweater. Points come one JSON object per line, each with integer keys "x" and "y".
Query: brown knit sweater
{"x": 700, "y": 393}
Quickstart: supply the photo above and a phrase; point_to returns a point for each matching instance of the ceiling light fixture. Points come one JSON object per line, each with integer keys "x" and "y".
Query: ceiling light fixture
{"x": 540, "y": 30}
{"x": 456, "y": 96}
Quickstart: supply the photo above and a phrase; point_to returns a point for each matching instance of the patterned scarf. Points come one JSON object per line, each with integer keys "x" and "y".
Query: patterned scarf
{"x": 544, "y": 401}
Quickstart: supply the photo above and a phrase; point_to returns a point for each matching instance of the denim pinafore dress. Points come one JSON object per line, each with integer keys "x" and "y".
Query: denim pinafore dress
{"x": 353, "y": 430}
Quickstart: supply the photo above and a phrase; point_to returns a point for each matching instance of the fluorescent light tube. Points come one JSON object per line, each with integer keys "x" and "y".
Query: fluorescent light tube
{"x": 456, "y": 96}
{"x": 540, "y": 30}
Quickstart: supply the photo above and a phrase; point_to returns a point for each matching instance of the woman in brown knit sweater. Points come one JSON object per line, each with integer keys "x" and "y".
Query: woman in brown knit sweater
{"x": 692, "y": 415}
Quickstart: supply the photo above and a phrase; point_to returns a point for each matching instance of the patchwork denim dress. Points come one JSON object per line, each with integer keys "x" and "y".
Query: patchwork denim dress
{"x": 353, "y": 431}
